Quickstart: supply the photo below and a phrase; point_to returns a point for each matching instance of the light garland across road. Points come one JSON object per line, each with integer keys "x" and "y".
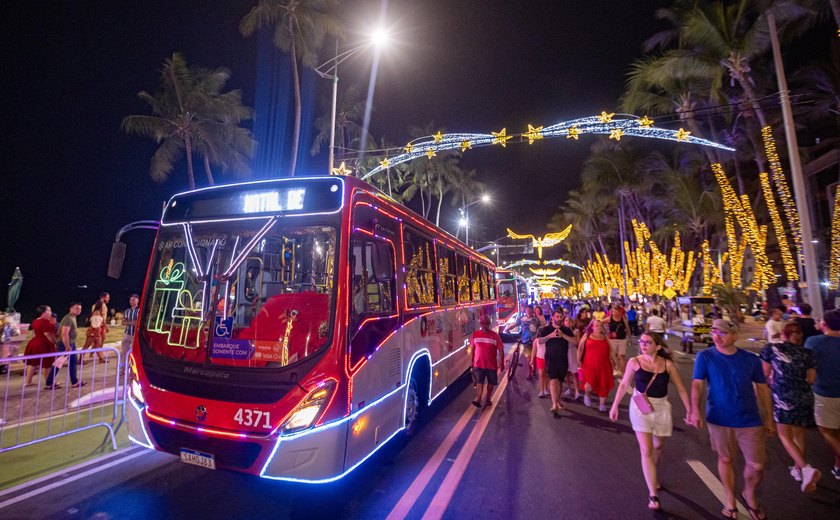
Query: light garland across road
{"x": 603, "y": 124}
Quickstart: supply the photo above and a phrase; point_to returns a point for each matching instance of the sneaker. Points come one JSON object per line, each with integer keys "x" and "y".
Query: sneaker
{"x": 836, "y": 472}
{"x": 588, "y": 402}
{"x": 796, "y": 473}
{"x": 602, "y": 408}
{"x": 567, "y": 392}
{"x": 542, "y": 395}
{"x": 810, "y": 477}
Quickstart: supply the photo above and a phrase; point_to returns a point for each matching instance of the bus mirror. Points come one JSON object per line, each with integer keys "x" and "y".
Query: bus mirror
{"x": 115, "y": 263}
{"x": 382, "y": 265}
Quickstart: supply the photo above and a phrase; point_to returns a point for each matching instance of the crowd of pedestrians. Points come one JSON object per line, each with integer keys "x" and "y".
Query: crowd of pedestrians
{"x": 51, "y": 335}
{"x": 741, "y": 399}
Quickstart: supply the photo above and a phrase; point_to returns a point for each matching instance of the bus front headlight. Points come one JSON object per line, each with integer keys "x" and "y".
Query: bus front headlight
{"x": 134, "y": 384}
{"x": 304, "y": 416}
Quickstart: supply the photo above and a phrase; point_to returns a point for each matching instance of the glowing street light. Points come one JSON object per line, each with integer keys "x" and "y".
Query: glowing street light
{"x": 329, "y": 70}
{"x": 465, "y": 215}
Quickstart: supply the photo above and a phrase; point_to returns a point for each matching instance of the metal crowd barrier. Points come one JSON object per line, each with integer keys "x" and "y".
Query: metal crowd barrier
{"x": 33, "y": 413}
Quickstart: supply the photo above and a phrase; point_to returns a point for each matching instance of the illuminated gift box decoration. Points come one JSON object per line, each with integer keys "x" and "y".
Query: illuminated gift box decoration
{"x": 170, "y": 283}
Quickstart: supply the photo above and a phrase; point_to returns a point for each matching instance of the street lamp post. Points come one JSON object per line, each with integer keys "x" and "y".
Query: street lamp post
{"x": 465, "y": 216}
{"x": 800, "y": 190}
{"x": 331, "y": 73}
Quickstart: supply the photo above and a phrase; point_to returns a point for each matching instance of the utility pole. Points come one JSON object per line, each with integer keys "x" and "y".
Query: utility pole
{"x": 800, "y": 188}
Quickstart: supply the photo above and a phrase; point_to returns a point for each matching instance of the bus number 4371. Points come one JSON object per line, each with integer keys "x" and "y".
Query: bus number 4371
{"x": 258, "y": 418}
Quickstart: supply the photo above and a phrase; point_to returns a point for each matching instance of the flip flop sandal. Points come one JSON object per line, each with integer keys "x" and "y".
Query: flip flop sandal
{"x": 654, "y": 503}
{"x": 731, "y": 514}
{"x": 756, "y": 513}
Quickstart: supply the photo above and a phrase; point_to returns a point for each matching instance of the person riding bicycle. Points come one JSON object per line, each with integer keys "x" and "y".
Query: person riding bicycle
{"x": 529, "y": 325}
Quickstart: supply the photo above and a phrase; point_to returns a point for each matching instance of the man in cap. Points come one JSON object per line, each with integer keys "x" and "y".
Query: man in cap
{"x": 485, "y": 343}
{"x": 737, "y": 387}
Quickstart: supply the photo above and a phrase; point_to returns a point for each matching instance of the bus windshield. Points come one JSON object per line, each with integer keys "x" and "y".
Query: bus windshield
{"x": 240, "y": 295}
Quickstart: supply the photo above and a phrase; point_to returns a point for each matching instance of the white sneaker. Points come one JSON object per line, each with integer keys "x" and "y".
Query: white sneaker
{"x": 587, "y": 401}
{"x": 810, "y": 477}
{"x": 796, "y": 473}
{"x": 602, "y": 408}
{"x": 567, "y": 392}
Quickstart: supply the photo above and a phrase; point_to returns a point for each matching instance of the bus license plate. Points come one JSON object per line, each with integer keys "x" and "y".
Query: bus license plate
{"x": 205, "y": 460}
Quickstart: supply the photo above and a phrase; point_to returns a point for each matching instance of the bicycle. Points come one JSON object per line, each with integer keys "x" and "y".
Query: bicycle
{"x": 514, "y": 360}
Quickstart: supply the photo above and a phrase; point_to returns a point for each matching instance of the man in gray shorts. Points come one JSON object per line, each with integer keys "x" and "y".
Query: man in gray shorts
{"x": 735, "y": 380}
{"x": 485, "y": 344}
{"x": 826, "y": 349}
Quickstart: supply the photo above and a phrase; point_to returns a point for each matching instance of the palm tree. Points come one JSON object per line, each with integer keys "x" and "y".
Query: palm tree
{"x": 300, "y": 27}
{"x": 349, "y": 110}
{"x": 190, "y": 115}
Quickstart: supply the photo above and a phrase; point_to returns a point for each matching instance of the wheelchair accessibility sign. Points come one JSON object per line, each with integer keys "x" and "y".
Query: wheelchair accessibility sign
{"x": 223, "y": 327}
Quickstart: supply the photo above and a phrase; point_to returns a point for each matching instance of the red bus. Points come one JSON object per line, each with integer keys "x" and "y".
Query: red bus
{"x": 509, "y": 289}
{"x": 290, "y": 328}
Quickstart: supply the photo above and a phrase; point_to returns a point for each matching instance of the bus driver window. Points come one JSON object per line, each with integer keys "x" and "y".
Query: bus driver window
{"x": 372, "y": 268}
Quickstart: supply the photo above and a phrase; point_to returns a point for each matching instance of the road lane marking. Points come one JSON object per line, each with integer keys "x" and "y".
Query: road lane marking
{"x": 714, "y": 485}
{"x": 416, "y": 488}
{"x": 450, "y": 483}
{"x": 67, "y": 480}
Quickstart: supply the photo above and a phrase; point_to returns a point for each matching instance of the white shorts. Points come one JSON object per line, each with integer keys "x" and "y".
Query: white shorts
{"x": 618, "y": 346}
{"x": 573, "y": 364}
{"x": 658, "y": 422}
{"x": 827, "y": 411}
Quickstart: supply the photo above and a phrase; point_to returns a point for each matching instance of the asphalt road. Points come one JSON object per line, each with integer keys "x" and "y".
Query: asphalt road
{"x": 513, "y": 460}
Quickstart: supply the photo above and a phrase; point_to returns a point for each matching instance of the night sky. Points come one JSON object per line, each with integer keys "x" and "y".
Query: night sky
{"x": 73, "y": 70}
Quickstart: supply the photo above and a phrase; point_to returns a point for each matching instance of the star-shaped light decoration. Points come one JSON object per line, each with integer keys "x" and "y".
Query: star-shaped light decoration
{"x": 501, "y": 137}
{"x": 408, "y": 148}
{"x": 533, "y": 134}
{"x": 430, "y": 152}
{"x": 438, "y": 137}
{"x": 465, "y": 145}
{"x": 385, "y": 163}
{"x": 606, "y": 118}
{"x": 342, "y": 170}
{"x": 616, "y": 134}
{"x": 574, "y": 133}
{"x": 682, "y": 135}
{"x": 645, "y": 122}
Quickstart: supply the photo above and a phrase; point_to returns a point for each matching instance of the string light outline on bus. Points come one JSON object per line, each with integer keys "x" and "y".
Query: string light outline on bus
{"x": 325, "y": 427}
{"x": 148, "y": 444}
{"x": 352, "y": 417}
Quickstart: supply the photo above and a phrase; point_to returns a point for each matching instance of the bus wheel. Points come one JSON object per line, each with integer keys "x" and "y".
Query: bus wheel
{"x": 412, "y": 407}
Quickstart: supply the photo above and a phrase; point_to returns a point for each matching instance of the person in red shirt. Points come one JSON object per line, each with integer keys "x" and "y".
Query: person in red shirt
{"x": 485, "y": 343}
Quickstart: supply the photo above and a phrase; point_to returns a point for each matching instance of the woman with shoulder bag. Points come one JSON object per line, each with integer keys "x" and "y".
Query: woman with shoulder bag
{"x": 650, "y": 411}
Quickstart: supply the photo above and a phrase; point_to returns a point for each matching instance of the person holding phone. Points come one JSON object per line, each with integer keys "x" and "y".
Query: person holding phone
{"x": 555, "y": 339}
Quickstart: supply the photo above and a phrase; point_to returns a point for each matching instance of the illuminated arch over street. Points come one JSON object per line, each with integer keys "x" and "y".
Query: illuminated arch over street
{"x": 604, "y": 124}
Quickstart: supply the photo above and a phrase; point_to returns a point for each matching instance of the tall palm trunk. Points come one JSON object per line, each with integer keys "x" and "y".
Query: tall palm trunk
{"x": 440, "y": 201}
{"x": 208, "y": 172}
{"x": 188, "y": 150}
{"x": 296, "y": 81}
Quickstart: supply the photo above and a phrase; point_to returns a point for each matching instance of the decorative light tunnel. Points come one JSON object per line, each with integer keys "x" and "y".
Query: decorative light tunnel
{"x": 604, "y": 124}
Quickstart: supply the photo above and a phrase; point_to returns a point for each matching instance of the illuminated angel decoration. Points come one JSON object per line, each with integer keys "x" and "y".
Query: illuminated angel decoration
{"x": 544, "y": 272}
{"x": 550, "y": 239}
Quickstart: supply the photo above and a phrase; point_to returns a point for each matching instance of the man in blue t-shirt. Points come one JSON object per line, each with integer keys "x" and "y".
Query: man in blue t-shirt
{"x": 735, "y": 381}
{"x": 826, "y": 349}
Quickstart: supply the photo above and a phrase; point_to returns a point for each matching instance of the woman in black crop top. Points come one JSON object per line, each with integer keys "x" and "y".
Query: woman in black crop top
{"x": 650, "y": 373}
